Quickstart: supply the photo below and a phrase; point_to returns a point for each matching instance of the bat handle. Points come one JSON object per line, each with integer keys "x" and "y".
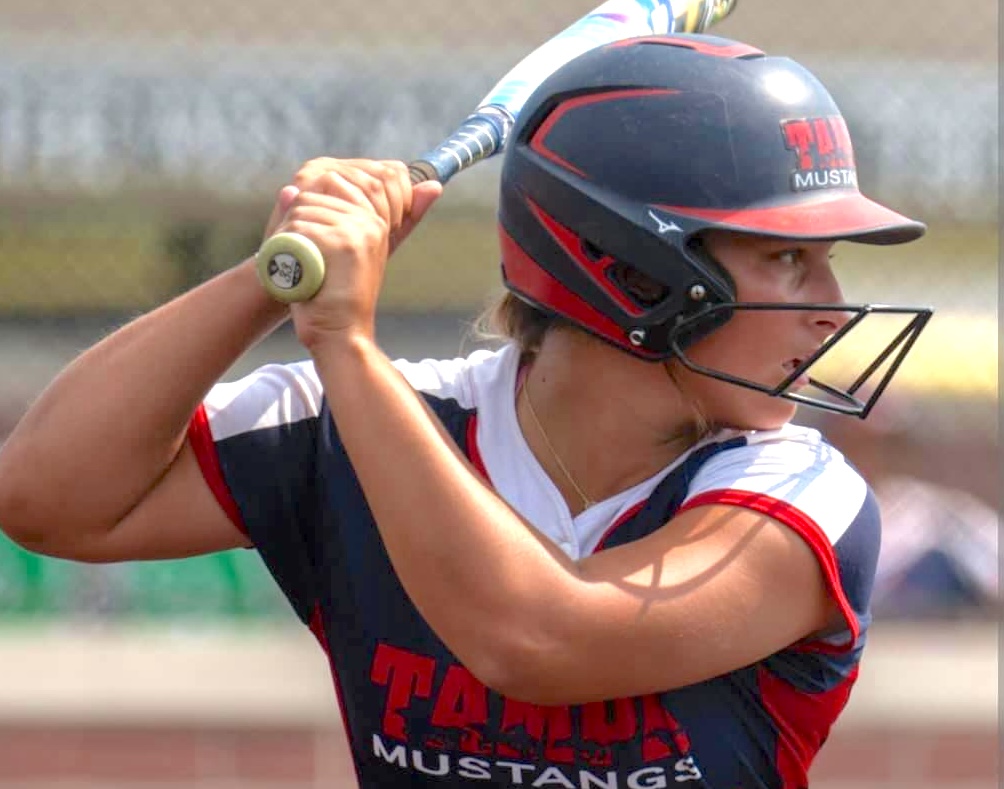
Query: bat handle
{"x": 420, "y": 170}
{"x": 479, "y": 137}
{"x": 291, "y": 267}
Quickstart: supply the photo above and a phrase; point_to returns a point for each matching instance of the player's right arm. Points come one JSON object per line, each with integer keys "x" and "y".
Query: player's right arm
{"x": 99, "y": 469}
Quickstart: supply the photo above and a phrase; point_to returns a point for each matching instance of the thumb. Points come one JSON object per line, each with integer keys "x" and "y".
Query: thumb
{"x": 423, "y": 197}
{"x": 283, "y": 201}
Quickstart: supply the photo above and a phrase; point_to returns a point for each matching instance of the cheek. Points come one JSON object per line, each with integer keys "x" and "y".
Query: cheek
{"x": 763, "y": 332}
{"x": 748, "y": 346}
{"x": 738, "y": 345}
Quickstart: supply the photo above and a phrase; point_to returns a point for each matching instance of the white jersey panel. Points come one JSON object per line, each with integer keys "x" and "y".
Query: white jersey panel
{"x": 273, "y": 395}
{"x": 448, "y": 379}
{"x": 794, "y": 465}
{"x": 281, "y": 394}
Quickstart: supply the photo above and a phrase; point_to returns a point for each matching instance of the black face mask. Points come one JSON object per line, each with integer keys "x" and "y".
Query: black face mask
{"x": 873, "y": 378}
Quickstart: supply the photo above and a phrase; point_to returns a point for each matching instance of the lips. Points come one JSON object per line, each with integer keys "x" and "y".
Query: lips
{"x": 789, "y": 367}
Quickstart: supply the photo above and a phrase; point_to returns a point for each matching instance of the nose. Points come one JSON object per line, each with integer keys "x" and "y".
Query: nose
{"x": 826, "y": 290}
{"x": 829, "y": 322}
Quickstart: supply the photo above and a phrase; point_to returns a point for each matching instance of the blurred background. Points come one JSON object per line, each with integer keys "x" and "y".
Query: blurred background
{"x": 140, "y": 148}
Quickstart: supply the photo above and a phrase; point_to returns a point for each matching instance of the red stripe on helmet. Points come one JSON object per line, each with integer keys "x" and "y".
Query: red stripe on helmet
{"x": 706, "y": 46}
{"x": 538, "y": 143}
{"x": 524, "y": 276}
{"x": 849, "y": 216}
{"x": 572, "y": 245}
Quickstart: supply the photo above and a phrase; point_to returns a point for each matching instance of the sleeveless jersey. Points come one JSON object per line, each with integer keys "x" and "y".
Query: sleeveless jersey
{"x": 414, "y": 715}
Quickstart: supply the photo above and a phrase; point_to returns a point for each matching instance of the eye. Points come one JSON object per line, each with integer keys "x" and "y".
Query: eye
{"x": 789, "y": 257}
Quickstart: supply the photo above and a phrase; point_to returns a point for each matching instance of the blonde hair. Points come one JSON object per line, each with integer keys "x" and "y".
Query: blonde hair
{"x": 512, "y": 319}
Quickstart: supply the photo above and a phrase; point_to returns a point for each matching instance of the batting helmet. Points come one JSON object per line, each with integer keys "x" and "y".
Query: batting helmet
{"x": 624, "y": 156}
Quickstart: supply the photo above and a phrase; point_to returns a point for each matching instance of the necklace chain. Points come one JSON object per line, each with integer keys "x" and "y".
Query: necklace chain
{"x": 586, "y": 501}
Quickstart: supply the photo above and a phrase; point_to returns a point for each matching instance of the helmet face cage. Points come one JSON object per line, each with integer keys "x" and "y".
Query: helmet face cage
{"x": 624, "y": 156}
{"x": 829, "y": 397}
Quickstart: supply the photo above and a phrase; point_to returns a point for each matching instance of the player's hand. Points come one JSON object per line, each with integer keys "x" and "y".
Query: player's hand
{"x": 283, "y": 201}
{"x": 357, "y": 212}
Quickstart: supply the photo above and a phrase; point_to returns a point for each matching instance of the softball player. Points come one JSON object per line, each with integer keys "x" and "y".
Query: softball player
{"x": 600, "y": 556}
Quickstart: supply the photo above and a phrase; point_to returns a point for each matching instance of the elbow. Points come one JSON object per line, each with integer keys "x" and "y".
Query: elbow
{"x": 34, "y": 526}
{"x": 520, "y": 667}
{"x": 29, "y": 512}
{"x": 15, "y": 515}
{"x": 16, "y": 485}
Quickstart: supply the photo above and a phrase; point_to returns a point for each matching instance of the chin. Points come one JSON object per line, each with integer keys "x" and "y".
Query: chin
{"x": 757, "y": 411}
{"x": 775, "y": 413}
{"x": 728, "y": 405}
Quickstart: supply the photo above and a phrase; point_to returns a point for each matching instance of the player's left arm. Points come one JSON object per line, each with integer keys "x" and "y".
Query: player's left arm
{"x": 717, "y": 588}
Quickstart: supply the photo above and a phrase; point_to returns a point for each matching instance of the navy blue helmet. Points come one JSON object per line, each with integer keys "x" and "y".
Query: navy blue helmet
{"x": 624, "y": 156}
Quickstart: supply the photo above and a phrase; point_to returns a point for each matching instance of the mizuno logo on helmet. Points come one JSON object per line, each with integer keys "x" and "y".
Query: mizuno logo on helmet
{"x": 662, "y": 226}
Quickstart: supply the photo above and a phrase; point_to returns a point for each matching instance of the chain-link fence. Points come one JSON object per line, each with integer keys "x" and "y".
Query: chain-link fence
{"x": 140, "y": 147}
{"x": 222, "y": 99}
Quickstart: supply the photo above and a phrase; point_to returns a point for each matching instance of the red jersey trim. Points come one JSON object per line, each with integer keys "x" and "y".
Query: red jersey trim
{"x": 473, "y": 452}
{"x": 808, "y": 530}
{"x": 200, "y": 436}
{"x": 803, "y": 721}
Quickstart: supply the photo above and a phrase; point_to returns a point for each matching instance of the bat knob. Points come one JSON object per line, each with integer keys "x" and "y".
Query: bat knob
{"x": 290, "y": 267}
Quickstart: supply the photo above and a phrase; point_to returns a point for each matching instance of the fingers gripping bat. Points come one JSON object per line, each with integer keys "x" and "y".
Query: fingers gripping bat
{"x": 291, "y": 267}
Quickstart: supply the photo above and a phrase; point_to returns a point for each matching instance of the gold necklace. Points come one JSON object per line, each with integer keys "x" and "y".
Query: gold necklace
{"x": 586, "y": 501}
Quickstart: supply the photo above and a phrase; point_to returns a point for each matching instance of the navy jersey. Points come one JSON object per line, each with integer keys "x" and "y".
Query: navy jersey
{"x": 413, "y": 714}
